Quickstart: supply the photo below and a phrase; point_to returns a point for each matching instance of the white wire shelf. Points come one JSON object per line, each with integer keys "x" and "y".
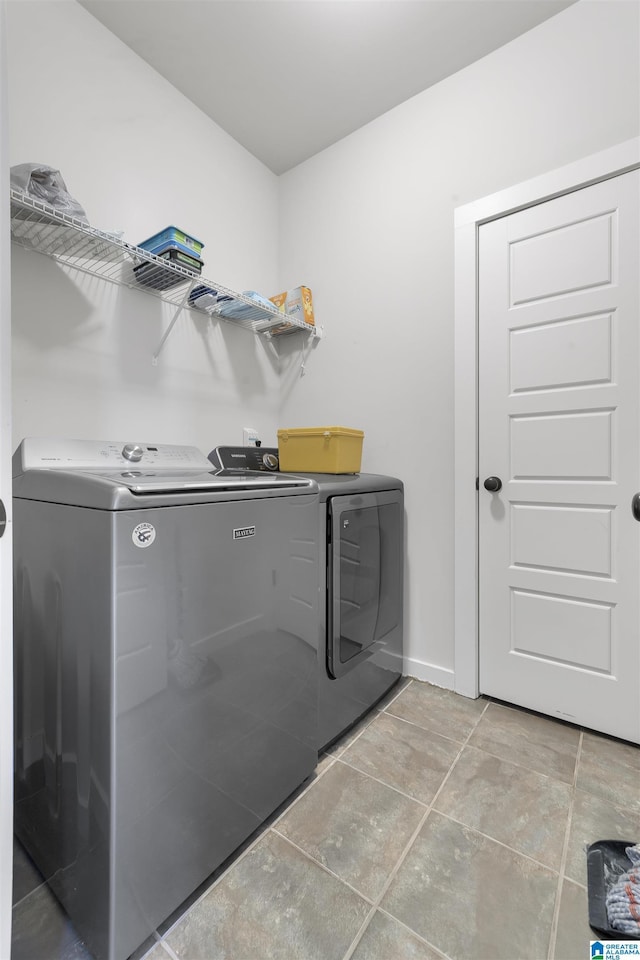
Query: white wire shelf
{"x": 44, "y": 229}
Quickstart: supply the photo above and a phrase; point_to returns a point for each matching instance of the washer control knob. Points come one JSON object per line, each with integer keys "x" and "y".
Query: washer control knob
{"x": 133, "y": 452}
{"x": 270, "y": 461}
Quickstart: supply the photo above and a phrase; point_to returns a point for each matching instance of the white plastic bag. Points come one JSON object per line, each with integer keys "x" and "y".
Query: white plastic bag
{"x": 46, "y": 184}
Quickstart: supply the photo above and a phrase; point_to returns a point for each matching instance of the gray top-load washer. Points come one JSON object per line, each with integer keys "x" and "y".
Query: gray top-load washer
{"x": 361, "y": 537}
{"x": 166, "y": 639}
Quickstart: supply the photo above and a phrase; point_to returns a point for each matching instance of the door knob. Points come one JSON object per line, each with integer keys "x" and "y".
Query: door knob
{"x": 3, "y": 518}
{"x": 635, "y": 506}
{"x": 493, "y": 484}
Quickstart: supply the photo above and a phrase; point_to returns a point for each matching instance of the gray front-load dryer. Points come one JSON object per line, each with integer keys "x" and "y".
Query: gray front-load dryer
{"x": 361, "y": 537}
{"x": 166, "y": 640}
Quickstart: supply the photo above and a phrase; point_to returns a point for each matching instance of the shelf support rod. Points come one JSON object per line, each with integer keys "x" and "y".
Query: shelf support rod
{"x": 181, "y": 307}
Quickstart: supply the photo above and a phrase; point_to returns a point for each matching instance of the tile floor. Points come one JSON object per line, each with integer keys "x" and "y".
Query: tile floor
{"x": 439, "y": 827}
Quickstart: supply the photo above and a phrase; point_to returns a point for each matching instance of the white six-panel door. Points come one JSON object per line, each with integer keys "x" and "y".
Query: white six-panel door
{"x": 559, "y": 425}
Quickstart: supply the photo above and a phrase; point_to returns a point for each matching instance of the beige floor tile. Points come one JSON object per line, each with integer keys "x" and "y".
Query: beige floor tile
{"x": 595, "y": 819}
{"x": 403, "y": 755}
{"x": 472, "y": 897}
{"x": 274, "y": 904}
{"x": 608, "y": 748}
{"x": 610, "y": 769}
{"x": 438, "y": 710}
{"x": 386, "y": 939}
{"x": 538, "y": 743}
{"x": 355, "y": 826}
{"x": 574, "y": 933}
{"x": 521, "y": 808}
{"x": 157, "y": 953}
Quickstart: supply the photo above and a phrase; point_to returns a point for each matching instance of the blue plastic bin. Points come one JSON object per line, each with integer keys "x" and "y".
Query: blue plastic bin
{"x": 172, "y": 237}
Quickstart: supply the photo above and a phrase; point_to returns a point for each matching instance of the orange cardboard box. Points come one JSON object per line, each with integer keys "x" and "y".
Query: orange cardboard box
{"x": 297, "y": 303}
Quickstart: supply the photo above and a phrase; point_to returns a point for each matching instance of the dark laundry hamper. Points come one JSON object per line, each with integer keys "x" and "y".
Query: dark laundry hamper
{"x": 606, "y": 862}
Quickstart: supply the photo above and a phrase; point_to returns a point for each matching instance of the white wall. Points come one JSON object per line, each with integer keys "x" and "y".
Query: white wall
{"x": 138, "y": 156}
{"x": 368, "y": 225}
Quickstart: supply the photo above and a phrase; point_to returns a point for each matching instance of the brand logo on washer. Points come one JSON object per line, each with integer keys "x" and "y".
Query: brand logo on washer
{"x": 241, "y": 533}
{"x": 143, "y": 535}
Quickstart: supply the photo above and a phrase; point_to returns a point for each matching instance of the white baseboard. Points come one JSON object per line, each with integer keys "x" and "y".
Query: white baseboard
{"x": 439, "y": 676}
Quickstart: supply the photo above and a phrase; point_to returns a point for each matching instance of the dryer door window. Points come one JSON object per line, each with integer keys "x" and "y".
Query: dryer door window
{"x": 364, "y": 576}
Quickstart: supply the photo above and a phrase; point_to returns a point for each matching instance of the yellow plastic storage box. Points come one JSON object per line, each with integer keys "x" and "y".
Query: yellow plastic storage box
{"x": 320, "y": 450}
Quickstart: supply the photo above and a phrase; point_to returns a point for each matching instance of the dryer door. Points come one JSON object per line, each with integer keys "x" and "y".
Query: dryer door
{"x": 365, "y": 557}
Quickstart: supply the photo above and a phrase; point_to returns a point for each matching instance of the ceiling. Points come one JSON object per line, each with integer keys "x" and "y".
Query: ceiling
{"x": 287, "y": 78}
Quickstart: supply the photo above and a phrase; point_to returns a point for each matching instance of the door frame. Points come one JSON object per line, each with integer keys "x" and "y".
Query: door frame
{"x": 6, "y": 579}
{"x": 617, "y": 160}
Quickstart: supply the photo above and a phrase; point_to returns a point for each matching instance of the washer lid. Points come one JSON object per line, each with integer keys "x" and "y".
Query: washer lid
{"x": 116, "y": 475}
{"x": 145, "y": 483}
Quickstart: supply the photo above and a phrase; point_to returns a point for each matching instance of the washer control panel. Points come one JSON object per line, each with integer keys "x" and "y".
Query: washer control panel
{"x": 49, "y": 453}
{"x": 245, "y": 458}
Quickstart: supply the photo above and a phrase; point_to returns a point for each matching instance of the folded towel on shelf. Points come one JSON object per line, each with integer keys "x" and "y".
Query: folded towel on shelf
{"x": 236, "y": 310}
